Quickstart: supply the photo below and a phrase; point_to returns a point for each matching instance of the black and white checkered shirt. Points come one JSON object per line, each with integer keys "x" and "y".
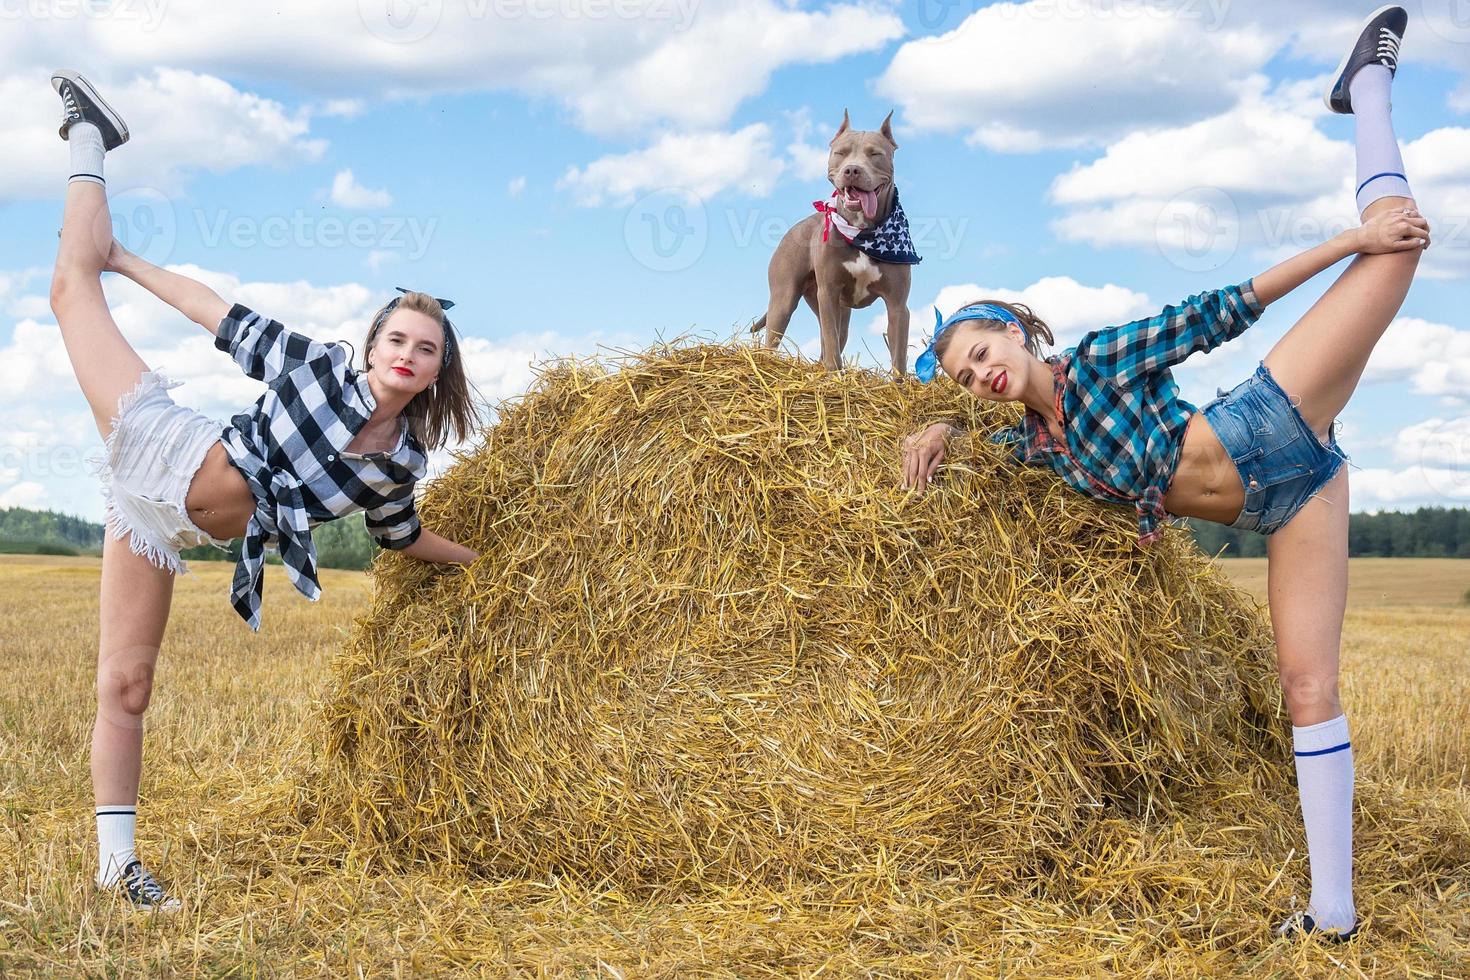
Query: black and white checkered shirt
{"x": 292, "y": 449}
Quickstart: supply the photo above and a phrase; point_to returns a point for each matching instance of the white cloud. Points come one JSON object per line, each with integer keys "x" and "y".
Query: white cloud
{"x": 1433, "y": 357}
{"x": 13, "y": 296}
{"x": 1437, "y": 442}
{"x": 1437, "y": 471}
{"x": 348, "y": 193}
{"x": 1064, "y": 304}
{"x": 180, "y": 121}
{"x": 1261, "y": 177}
{"x": 693, "y": 166}
{"x": 36, "y": 363}
{"x": 342, "y": 108}
{"x": 1378, "y": 488}
{"x": 618, "y": 68}
{"x": 46, "y": 446}
{"x": 516, "y": 187}
{"x": 1021, "y": 77}
{"x": 808, "y": 160}
{"x": 736, "y": 46}
{"x": 27, "y": 493}
{"x": 379, "y": 257}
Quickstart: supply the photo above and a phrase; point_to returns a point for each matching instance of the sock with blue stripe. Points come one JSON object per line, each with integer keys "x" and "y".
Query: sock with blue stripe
{"x": 1324, "y": 775}
{"x": 115, "y": 825}
{"x": 1380, "y": 165}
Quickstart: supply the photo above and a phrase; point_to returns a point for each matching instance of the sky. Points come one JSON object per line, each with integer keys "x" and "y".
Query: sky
{"x": 588, "y": 176}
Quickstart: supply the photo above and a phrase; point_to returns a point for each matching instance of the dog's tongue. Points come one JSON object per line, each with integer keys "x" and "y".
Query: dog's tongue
{"x": 870, "y": 202}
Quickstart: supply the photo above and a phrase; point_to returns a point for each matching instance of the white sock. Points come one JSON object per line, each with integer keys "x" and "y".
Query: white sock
{"x": 1324, "y": 775}
{"x": 86, "y": 152}
{"x": 115, "y": 825}
{"x": 1380, "y": 166}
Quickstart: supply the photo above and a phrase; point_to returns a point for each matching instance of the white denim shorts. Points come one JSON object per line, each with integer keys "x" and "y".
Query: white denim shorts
{"x": 146, "y": 466}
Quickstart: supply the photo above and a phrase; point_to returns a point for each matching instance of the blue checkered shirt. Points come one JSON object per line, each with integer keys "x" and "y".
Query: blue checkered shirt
{"x": 291, "y": 447}
{"x": 1119, "y": 406}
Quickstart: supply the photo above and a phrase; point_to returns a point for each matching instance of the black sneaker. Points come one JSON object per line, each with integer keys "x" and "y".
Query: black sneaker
{"x": 144, "y": 891}
{"x": 1302, "y": 924}
{"x": 1378, "y": 44}
{"x": 82, "y": 103}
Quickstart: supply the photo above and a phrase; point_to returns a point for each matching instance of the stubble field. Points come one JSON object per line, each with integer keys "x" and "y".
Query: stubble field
{"x": 232, "y": 720}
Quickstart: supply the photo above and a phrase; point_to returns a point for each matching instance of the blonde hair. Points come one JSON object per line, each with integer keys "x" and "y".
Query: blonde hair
{"x": 448, "y": 406}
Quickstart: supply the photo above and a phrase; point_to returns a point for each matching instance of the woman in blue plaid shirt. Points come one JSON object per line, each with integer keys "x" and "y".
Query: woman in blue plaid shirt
{"x": 323, "y": 441}
{"x": 1106, "y": 416}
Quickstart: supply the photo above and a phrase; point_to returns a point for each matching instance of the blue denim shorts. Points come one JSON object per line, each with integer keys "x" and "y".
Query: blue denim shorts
{"x": 1281, "y": 461}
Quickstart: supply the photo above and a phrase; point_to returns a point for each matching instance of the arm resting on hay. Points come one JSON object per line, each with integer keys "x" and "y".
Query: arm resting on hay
{"x": 431, "y": 547}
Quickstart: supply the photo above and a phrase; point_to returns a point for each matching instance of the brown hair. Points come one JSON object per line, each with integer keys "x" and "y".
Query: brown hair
{"x": 1037, "y": 332}
{"x": 448, "y": 406}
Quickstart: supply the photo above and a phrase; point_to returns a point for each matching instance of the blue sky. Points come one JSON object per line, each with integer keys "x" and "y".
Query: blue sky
{"x": 577, "y": 173}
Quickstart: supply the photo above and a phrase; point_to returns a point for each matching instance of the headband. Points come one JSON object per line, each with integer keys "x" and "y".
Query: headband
{"x": 444, "y": 304}
{"x": 928, "y": 363}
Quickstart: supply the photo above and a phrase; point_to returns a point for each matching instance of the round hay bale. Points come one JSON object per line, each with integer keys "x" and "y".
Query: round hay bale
{"x": 712, "y": 640}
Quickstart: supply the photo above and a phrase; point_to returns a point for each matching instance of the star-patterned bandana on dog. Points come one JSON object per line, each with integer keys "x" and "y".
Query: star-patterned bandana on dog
{"x": 889, "y": 242}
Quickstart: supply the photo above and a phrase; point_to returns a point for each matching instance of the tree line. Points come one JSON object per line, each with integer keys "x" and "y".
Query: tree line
{"x": 1429, "y": 532}
{"x": 339, "y": 544}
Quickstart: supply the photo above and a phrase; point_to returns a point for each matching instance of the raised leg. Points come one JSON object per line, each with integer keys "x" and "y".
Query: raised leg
{"x": 105, "y": 364}
{"x": 1320, "y": 360}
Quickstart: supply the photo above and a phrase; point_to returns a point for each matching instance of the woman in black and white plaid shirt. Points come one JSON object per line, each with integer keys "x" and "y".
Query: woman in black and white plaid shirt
{"x": 325, "y": 440}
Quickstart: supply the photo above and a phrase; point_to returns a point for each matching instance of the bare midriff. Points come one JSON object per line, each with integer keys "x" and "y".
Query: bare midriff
{"x": 219, "y": 500}
{"x": 1206, "y": 483}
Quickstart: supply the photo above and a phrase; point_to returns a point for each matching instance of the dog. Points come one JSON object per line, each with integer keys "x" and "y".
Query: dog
{"x": 855, "y": 250}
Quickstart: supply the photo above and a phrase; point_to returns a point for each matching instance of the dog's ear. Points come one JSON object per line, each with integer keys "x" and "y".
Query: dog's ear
{"x": 886, "y": 130}
{"x": 841, "y": 129}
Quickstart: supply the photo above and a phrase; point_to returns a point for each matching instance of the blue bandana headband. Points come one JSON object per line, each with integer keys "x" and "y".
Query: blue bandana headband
{"x": 928, "y": 363}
